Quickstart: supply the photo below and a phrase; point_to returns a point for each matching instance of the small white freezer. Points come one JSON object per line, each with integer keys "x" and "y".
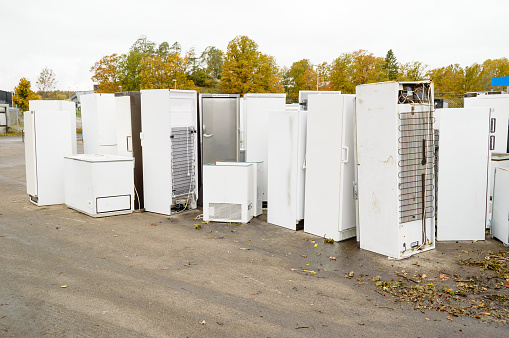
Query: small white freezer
{"x": 99, "y": 185}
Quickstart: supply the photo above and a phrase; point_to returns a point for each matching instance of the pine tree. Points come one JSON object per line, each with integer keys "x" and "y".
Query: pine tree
{"x": 391, "y": 65}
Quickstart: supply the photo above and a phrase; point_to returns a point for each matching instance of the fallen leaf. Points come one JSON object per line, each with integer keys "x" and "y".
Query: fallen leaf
{"x": 423, "y": 276}
{"x": 310, "y": 271}
{"x": 427, "y": 318}
{"x": 202, "y": 322}
{"x": 350, "y": 274}
{"x": 316, "y": 245}
{"x": 507, "y": 285}
{"x": 293, "y": 269}
{"x": 464, "y": 251}
{"x": 449, "y": 318}
{"x": 153, "y": 224}
{"x": 332, "y": 258}
{"x": 304, "y": 256}
{"x": 164, "y": 268}
{"x": 444, "y": 277}
{"x": 115, "y": 235}
{"x": 63, "y": 286}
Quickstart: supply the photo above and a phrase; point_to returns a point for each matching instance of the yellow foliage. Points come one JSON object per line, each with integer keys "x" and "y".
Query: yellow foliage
{"x": 23, "y": 94}
{"x": 106, "y": 75}
{"x": 160, "y": 71}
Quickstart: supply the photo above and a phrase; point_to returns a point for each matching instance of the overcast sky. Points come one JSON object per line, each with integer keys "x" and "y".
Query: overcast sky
{"x": 70, "y": 36}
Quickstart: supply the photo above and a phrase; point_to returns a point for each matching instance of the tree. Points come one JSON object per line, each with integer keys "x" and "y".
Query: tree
{"x": 300, "y": 76}
{"x": 246, "y": 70}
{"x": 46, "y": 81}
{"x": 129, "y": 64}
{"x": 412, "y": 71}
{"x": 391, "y": 66}
{"x": 23, "y": 94}
{"x": 212, "y": 59}
{"x": 160, "y": 71}
{"x": 105, "y": 74}
{"x": 449, "y": 81}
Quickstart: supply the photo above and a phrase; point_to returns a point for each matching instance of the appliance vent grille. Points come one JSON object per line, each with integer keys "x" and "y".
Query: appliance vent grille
{"x": 225, "y": 211}
{"x": 182, "y": 160}
{"x": 416, "y": 165}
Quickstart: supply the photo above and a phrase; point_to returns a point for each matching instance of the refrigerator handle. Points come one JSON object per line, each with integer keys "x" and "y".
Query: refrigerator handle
{"x": 129, "y": 144}
{"x": 345, "y": 153}
{"x": 493, "y": 124}
{"x": 492, "y": 142}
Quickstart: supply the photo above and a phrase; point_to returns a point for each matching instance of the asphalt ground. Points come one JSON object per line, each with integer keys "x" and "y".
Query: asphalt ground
{"x": 63, "y": 273}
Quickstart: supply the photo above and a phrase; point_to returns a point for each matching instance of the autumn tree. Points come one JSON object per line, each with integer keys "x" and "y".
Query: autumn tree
{"x": 165, "y": 71}
{"x": 46, "y": 81}
{"x": 129, "y": 64}
{"x": 300, "y": 76}
{"x": 23, "y": 93}
{"x": 105, "y": 74}
{"x": 352, "y": 69}
{"x": 449, "y": 81}
{"x": 246, "y": 70}
{"x": 390, "y": 66}
{"x": 412, "y": 71}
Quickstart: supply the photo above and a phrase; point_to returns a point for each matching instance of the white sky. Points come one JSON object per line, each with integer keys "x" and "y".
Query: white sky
{"x": 70, "y": 36}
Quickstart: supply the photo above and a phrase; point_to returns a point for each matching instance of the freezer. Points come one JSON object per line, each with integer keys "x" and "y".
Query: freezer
{"x": 98, "y": 117}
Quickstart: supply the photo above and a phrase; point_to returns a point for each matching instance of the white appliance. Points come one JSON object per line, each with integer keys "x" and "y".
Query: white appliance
{"x": 304, "y": 95}
{"x": 242, "y": 130}
{"x": 500, "y": 218}
{"x": 286, "y": 178}
{"x": 4, "y": 118}
{"x": 258, "y": 177}
{"x": 463, "y": 167}
{"x": 99, "y": 185}
{"x": 128, "y": 123}
{"x": 98, "y": 118}
{"x": 497, "y": 160}
{"x": 258, "y": 108}
{"x": 48, "y": 138}
{"x": 499, "y": 103}
{"x": 169, "y": 143}
{"x": 329, "y": 203}
{"x": 228, "y": 192}
{"x": 59, "y": 105}
{"x": 395, "y": 167}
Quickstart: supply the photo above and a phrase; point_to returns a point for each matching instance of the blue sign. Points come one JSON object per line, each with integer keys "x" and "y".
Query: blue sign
{"x": 500, "y": 81}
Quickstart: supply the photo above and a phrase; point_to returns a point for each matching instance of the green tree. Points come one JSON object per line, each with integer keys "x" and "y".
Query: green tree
{"x": 412, "y": 71}
{"x": 246, "y": 70}
{"x": 23, "y": 93}
{"x": 300, "y": 76}
{"x": 105, "y": 74}
{"x": 212, "y": 59}
{"x": 160, "y": 71}
{"x": 391, "y": 67}
{"x": 46, "y": 81}
{"x": 129, "y": 64}
{"x": 449, "y": 81}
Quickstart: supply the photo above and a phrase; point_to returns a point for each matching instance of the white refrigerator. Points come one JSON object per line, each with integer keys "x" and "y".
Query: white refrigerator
{"x": 500, "y": 218}
{"x": 329, "y": 203}
{"x": 59, "y": 105}
{"x": 286, "y": 178}
{"x": 258, "y": 108}
{"x": 48, "y": 138}
{"x": 463, "y": 167}
{"x": 395, "y": 167}
{"x": 98, "y": 118}
{"x": 170, "y": 155}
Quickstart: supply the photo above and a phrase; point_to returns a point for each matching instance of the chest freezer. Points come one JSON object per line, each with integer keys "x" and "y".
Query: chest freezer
{"x": 99, "y": 185}
{"x": 228, "y": 192}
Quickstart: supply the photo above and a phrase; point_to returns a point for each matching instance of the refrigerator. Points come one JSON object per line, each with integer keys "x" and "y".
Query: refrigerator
{"x": 99, "y": 185}
{"x": 499, "y": 103}
{"x": 48, "y": 138}
{"x": 464, "y": 160}
{"x": 128, "y": 123}
{"x": 98, "y": 118}
{"x": 304, "y": 96}
{"x": 4, "y": 118}
{"x": 59, "y": 105}
{"x": 286, "y": 178}
{"x": 258, "y": 108}
{"x": 220, "y": 127}
{"x": 228, "y": 192}
{"x": 329, "y": 201}
{"x": 169, "y": 143}
{"x": 395, "y": 167}
{"x": 500, "y": 218}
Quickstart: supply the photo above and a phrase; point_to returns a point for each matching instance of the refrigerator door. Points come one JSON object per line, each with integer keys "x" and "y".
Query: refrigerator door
{"x": 500, "y": 219}
{"x": 220, "y": 128}
{"x": 30, "y": 155}
{"x": 329, "y": 167}
{"x": 463, "y": 174}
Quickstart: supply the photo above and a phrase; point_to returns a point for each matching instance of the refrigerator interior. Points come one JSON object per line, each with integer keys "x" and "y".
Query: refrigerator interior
{"x": 329, "y": 203}
{"x": 464, "y": 158}
{"x": 286, "y": 178}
